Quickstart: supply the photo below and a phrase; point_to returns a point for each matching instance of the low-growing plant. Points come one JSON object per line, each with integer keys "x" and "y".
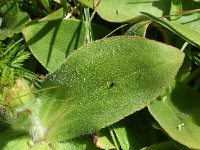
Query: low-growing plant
{"x": 99, "y": 74}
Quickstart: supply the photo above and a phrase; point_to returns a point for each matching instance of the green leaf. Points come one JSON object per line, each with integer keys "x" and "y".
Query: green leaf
{"x": 190, "y": 14}
{"x": 12, "y": 20}
{"x": 171, "y": 39}
{"x": 123, "y": 133}
{"x": 11, "y": 139}
{"x": 176, "y": 9}
{"x": 52, "y": 41}
{"x": 57, "y": 1}
{"x": 15, "y": 139}
{"x": 187, "y": 34}
{"x": 190, "y": 21}
{"x": 58, "y": 14}
{"x": 17, "y": 143}
{"x": 103, "y": 139}
{"x": 18, "y": 139}
{"x": 114, "y": 138}
{"x": 168, "y": 145}
{"x": 139, "y": 28}
{"x": 12, "y": 57}
{"x": 83, "y": 143}
{"x": 136, "y": 131}
{"x": 24, "y": 143}
{"x": 103, "y": 82}
{"x": 185, "y": 70}
{"x": 121, "y": 11}
{"x": 178, "y": 114}
{"x": 46, "y": 5}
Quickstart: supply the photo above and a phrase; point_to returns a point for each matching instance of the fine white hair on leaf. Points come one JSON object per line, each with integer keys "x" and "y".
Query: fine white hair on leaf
{"x": 37, "y": 130}
{"x": 164, "y": 98}
{"x": 180, "y": 126}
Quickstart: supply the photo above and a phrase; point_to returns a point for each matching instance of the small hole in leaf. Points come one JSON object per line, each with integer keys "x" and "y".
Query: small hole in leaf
{"x": 110, "y": 84}
{"x": 117, "y": 12}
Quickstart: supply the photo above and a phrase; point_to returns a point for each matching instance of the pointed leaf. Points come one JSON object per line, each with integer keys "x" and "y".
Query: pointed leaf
{"x": 178, "y": 114}
{"x": 188, "y": 34}
{"x": 139, "y": 28}
{"x": 58, "y": 14}
{"x": 103, "y": 82}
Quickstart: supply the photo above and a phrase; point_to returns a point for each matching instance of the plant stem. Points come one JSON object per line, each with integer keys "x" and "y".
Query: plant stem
{"x": 114, "y": 138}
{"x": 184, "y": 46}
{"x": 86, "y": 3}
{"x": 193, "y": 75}
{"x": 116, "y": 29}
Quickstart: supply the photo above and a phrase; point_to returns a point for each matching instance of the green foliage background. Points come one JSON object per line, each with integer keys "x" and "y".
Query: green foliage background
{"x": 99, "y": 74}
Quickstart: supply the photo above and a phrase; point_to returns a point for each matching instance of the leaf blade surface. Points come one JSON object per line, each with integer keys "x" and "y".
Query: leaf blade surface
{"x": 51, "y": 41}
{"x": 178, "y": 115}
{"x": 122, "y": 11}
{"x": 103, "y": 82}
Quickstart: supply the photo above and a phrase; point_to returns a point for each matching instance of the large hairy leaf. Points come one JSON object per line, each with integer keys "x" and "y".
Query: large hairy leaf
{"x": 121, "y": 11}
{"x": 103, "y": 82}
{"x": 51, "y": 41}
{"x": 178, "y": 114}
